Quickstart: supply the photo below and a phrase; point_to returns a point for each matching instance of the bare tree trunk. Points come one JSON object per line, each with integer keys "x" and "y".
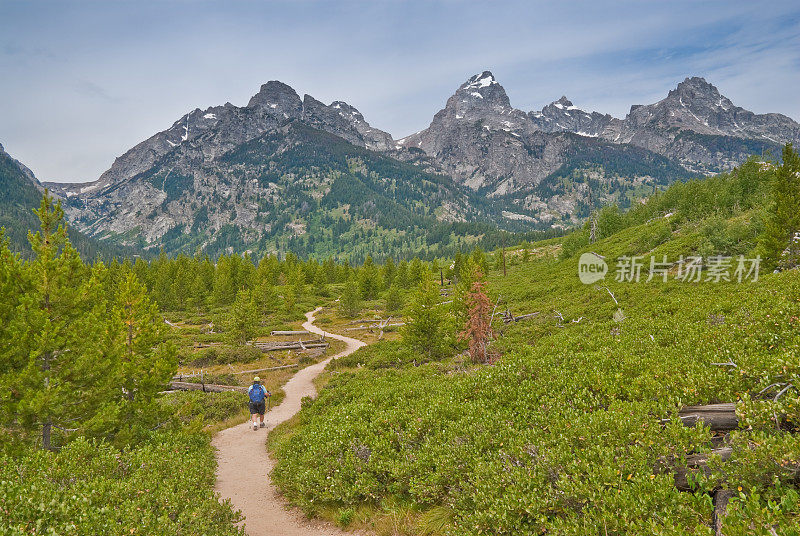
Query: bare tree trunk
{"x": 47, "y": 428}
{"x": 721, "y": 498}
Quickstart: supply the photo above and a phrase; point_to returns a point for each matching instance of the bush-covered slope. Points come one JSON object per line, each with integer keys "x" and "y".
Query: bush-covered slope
{"x": 562, "y": 435}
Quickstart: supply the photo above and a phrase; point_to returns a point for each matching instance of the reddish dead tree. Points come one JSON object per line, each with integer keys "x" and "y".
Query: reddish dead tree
{"x": 478, "y": 328}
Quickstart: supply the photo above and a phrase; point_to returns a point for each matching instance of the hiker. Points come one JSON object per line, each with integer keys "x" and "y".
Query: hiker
{"x": 258, "y": 401}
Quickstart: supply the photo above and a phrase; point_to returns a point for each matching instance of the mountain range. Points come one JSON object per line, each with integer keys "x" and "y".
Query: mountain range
{"x": 289, "y": 173}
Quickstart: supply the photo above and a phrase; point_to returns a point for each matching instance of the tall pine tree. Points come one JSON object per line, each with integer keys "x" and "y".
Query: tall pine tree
{"x": 55, "y": 371}
{"x": 783, "y": 216}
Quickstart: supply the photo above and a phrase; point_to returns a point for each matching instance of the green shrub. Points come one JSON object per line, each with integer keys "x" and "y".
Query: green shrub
{"x": 163, "y": 487}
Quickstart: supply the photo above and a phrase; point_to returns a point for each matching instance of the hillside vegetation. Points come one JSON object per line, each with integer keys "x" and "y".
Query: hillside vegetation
{"x": 564, "y": 432}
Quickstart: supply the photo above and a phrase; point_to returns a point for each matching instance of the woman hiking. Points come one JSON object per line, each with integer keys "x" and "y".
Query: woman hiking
{"x": 258, "y": 401}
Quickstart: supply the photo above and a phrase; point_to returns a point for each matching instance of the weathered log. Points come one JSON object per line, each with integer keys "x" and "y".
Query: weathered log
{"x": 376, "y": 326}
{"x": 297, "y": 345}
{"x": 363, "y": 320}
{"x": 205, "y": 387}
{"x": 718, "y": 417}
{"x": 697, "y": 464}
{"x": 290, "y": 333}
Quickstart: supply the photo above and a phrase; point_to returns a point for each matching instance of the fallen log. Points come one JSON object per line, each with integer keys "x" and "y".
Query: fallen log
{"x": 376, "y": 326}
{"x": 289, "y": 333}
{"x": 363, "y": 320}
{"x": 296, "y": 345}
{"x": 205, "y": 387}
{"x": 718, "y": 417}
{"x": 697, "y": 464}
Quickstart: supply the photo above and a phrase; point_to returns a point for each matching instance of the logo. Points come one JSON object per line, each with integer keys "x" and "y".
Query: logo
{"x": 591, "y": 268}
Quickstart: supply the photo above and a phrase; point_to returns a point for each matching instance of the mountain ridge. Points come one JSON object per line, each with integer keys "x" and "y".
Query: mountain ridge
{"x": 509, "y": 168}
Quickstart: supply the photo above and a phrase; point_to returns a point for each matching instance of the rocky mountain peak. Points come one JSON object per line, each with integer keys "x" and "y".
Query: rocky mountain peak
{"x": 481, "y": 90}
{"x": 275, "y": 94}
{"x": 696, "y": 89}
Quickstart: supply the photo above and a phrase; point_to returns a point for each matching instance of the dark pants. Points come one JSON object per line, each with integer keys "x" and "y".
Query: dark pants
{"x": 258, "y": 407}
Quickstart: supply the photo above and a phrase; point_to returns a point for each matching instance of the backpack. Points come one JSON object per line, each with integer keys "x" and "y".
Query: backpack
{"x": 256, "y": 393}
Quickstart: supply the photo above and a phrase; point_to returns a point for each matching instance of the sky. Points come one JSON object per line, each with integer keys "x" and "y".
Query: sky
{"x": 82, "y": 82}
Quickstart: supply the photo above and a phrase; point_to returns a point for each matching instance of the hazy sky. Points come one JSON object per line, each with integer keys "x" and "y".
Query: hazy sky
{"x": 82, "y": 82}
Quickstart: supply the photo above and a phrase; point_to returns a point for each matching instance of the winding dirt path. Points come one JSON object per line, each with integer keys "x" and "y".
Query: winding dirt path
{"x": 243, "y": 464}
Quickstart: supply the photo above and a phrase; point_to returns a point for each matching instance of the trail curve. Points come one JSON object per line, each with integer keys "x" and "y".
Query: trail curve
{"x": 243, "y": 464}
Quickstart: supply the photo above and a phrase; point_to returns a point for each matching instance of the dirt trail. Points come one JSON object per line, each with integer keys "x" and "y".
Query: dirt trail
{"x": 243, "y": 465}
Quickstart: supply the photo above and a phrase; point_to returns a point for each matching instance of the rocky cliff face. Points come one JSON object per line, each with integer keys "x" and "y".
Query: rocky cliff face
{"x": 182, "y": 187}
{"x": 278, "y": 174}
{"x": 486, "y": 144}
{"x": 702, "y": 129}
{"x": 218, "y": 129}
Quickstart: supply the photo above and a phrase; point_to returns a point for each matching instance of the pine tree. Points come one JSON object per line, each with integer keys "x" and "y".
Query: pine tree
{"x": 783, "y": 216}
{"x": 183, "y": 276}
{"x": 350, "y": 301}
{"x": 225, "y": 281}
{"x": 393, "y": 300}
{"x": 266, "y": 296}
{"x": 203, "y": 286}
{"x": 388, "y": 272}
{"x": 401, "y": 278}
{"x": 143, "y": 363}
{"x": 243, "y": 319}
{"x": 289, "y": 299}
{"x": 55, "y": 372}
{"x": 424, "y": 330}
{"x": 320, "y": 282}
{"x": 369, "y": 280}
{"x": 478, "y": 327}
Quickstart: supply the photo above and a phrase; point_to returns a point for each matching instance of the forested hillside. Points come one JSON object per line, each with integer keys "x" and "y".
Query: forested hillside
{"x": 19, "y": 196}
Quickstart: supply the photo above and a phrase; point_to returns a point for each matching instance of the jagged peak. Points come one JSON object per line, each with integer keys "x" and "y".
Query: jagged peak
{"x": 562, "y": 104}
{"x": 275, "y": 93}
{"x": 346, "y": 109}
{"x": 482, "y": 89}
{"x": 694, "y": 86}
{"x": 484, "y": 79}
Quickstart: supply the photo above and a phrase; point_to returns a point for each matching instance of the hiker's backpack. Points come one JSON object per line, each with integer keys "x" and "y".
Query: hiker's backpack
{"x": 256, "y": 393}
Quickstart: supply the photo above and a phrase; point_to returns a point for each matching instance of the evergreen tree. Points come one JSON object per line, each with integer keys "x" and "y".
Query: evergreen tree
{"x": 478, "y": 259}
{"x": 143, "y": 364}
{"x": 224, "y": 282}
{"x": 164, "y": 275}
{"x": 243, "y": 319}
{"x": 266, "y": 296}
{"x": 350, "y": 301}
{"x": 203, "y": 286}
{"x": 369, "y": 279}
{"x": 388, "y": 272}
{"x": 289, "y": 299}
{"x": 393, "y": 300}
{"x": 55, "y": 375}
{"x": 783, "y": 215}
{"x": 183, "y": 275}
{"x": 321, "y": 282}
{"x": 415, "y": 271}
{"x": 246, "y": 274}
{"x": 424, "y": 331}
{"x": 401, "y": 278}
